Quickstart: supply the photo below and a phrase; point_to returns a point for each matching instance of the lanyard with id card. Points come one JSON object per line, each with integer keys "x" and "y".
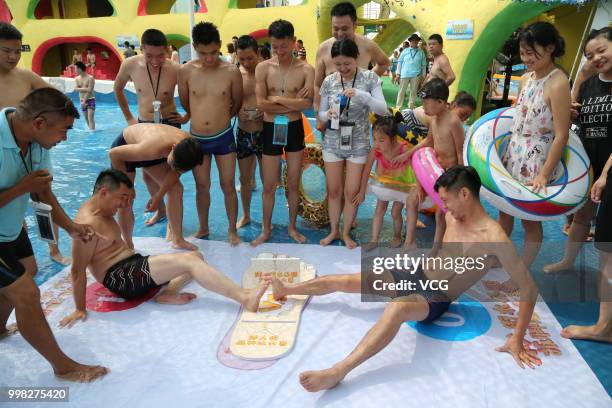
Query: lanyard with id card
{"x": 281, "y": 129}
{"x": 346, "y": 127}
{"x": 157, "y": 116}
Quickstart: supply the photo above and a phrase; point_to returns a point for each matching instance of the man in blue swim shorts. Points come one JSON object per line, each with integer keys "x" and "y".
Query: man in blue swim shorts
{"x": 211, "y": 91}
{"x": 164, "y": 153}
{"x": 467, "y": 223}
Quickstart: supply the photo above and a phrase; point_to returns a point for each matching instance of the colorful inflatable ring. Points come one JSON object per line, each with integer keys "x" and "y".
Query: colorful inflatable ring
{"x": 315, "y": 212}
{"x": 427, "y": 170}
{"x": 569, "y": 186}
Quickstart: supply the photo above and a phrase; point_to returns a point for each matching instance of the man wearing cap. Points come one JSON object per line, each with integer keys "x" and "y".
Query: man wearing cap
{"x": 411, "y": 66}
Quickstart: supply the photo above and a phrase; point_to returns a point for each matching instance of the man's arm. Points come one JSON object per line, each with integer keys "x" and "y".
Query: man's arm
{"x": 261, "y": 93}
{"x": 237, "y": 91}
{"x": 299, "y": 104}
{"x": 82, "y": 254}
{"x": 120, "y": 81}
{"x": 318, "y": 77}
{"x": 506, "y": 253}
{"x": 449, "y": 74}
{"x": 172, "y": 177}
{"x": 458, "y": 139}
{"x": 378, "y": 57}
{"x": 183, "y": 87}
{"x": 37, "y": 82}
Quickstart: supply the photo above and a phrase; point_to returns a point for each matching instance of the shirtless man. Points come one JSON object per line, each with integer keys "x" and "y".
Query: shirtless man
{"x": 91, "y": 60}
{"x": 16, "y": 83}
{"x": 468, "y": 222}
{"x": 250, "y": 124}
{"x": 213, "y": 88}
{"x": 344, "y": 24}
{"x": 284, "y": 89}
{"x": 441, "y": 67}
{"x": 446, "y": 137}
{"x": 164, "y": 153}
{"x": 112, "y": 262}
{"x": 27, "y": 133}
{"x": 155, "y": 79}
{"x": 85, "y": 87}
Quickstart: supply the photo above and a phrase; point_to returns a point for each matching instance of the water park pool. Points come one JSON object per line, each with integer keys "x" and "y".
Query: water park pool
{"x": 78, "y": 161}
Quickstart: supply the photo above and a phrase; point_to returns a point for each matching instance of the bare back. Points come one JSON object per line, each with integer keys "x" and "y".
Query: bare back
{"x": 210, "y": 95}
{"x": 109, "y": 247}
{"x": 135, "y": 68}
{"x": 163, "y": 136}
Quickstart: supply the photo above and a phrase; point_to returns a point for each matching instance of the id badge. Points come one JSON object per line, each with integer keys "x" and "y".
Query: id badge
{"x": 346, "y": 135}
{"x": 44, "y": 222}
{"x": 281, "y": 129}
{"x": 157, "y": 118}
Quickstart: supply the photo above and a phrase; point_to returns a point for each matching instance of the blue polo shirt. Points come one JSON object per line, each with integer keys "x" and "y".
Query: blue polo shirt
{"x": 12, "y": 171}
{"x": 412, "y": 63}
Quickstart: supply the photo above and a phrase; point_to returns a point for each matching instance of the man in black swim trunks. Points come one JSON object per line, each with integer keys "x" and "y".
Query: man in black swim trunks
{"x": 467, "y": 222}
{"x": 284, "y": 88}
{"x": 164, "y": 153}
{"x": 128, "y": 274}
{"x": 154, "y": 78}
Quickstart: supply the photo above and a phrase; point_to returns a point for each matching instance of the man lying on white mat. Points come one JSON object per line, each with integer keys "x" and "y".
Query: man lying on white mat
{"x": 467, "y": 222}
{"x": 129, "y": 274}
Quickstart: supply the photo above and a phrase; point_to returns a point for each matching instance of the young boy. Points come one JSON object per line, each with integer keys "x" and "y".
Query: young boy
{"x": 164, "y": 153}
{"x": 250, "y": 124}
{"x": 213, "y": 88}
{"x": 446, "y": 136}
{"x": 284, "y": 89}
{"x": 85, "y": 87}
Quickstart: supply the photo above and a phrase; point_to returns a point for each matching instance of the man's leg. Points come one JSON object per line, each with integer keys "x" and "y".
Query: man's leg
{"x": 294, "y": 177}
{"x": 153, "y": 188}
{"x": 334, "y": 173}
{"x": 602, "y": 330}
{"x": 246, "y": 167}
{"x": 6, "y": 306}
{"x": 164, "y": 268}
{"x": 323, "y": 285}
{"x": 54, "y": 251}
{"x": 270, "y": 166}
{"x": 413, "y": 307}
{"x": 172, "y": 295}
{"x": 401, "y": 94}
{"x": 33, "y": 326}
{"x": 90, "y": 117}
{"x": 227, "y": 176}
{"x": 201, "y": 174}
{"x": 175, "y": 206}
{"x": 352, "y": 181}
{"x": 126, "y": 215}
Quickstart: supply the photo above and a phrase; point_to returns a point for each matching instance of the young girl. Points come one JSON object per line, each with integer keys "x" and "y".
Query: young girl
{"x": 390, "y": 183}
{"x": 541, "y": 125}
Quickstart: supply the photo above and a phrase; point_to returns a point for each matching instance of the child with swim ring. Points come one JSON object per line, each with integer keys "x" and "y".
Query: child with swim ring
{"x": 389, "y": 183}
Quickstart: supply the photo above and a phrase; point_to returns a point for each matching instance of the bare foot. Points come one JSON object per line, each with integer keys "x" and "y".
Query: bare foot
{"x": 159, "y": 216}
{"x": 509, "y": 286}
{"x": 201, "y": 234}
{"x": 9, "y": 331}
{"x": 409, "y": 246}
{"x": 244, "y": 221}
{"x": 263, "y": 237}
{"x": 395, "y": 242}
{"x": 331, "y": 237}
{"x": 60, "y": 259}
{"x": 182, "y": 244}
{"x": 279, "y": 290}
{"x": 173, "y": 298}
{"x": 297, "y": 237}
{"x": 557, "y": 267}
{"x": 420, "y": 224}
{"x": 595, "y": 332}
{"x": 369, "y": 246}
{"x": 251, "y": 301}
{"x": 314, "y": 381}
{"x": 82, "y": 373}
{"x": 354, "y": 224}
{"x": 348, "y": 241}
{"x": 233, "y": 238}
